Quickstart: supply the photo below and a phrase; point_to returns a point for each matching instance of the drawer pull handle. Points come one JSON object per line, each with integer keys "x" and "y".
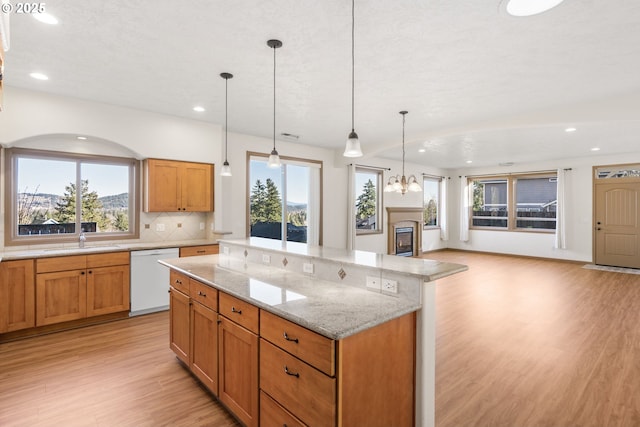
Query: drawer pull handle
{"x": 202, "y": 294}
{"x": 233, "y": 310}
{"x": 286, "y": 337}
{"x": 293, "y": 374}
{"x": 201, "y": 251}
{"x": 179, "y": 282}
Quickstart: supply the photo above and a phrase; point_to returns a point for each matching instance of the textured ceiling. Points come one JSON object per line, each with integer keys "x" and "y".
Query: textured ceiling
{"x": 478, "y": 84}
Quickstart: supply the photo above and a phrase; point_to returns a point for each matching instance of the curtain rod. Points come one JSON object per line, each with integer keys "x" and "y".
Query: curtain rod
{"x": 370, "y": 167}
{"x": 513, "y": 173}
{"x": 427, "y": 175}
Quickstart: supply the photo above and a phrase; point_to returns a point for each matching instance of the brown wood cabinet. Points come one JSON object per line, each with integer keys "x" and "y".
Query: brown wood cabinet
{"x": 199, "y": 250}
{"x": 17, "y": 295}
{"x": 370, "y": 381}
{"x": 238, "y": 370}
{"x": 80, "y": 286}
{"x": 194, "y": 327}
{"x": 173, "y": 186}
{"x": 179, "y": 324}
{"x": 274, "y": 372}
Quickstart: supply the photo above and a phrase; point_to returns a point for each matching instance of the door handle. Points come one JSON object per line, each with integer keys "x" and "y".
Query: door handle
{"x": 598, "y": 228}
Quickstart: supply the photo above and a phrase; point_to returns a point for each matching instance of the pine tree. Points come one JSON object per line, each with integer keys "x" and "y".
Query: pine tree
{"x": 273, "y": 203}
{"x": 366, "y": 203}
{"x": 257, "y": 203}
{"x": 65, "y": 210}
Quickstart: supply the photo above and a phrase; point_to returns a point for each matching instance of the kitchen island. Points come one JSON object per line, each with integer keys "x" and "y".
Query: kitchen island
{"x": 368, "y": 322}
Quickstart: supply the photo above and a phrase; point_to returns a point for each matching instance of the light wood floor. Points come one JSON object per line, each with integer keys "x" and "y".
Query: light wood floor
{"x": 521, "y": 342}
{"x": 528, "y": 342}
{"x": 113, "y": 375}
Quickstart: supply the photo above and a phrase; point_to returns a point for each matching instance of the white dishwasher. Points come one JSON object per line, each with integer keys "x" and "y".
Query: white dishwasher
{"x": 150, "y": 280}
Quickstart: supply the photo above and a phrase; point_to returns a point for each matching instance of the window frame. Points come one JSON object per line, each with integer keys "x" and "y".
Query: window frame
{"x": 512, "y": 217}
{"x": 11, "y": 236}
{"x": 438, "y": 181}
{"x": 291, "y": 160}
{"x": 379, "y": 172}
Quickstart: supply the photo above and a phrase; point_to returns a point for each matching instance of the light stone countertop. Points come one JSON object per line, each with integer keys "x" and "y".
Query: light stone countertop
{"x": 98, "y": 247}
{"x": 425, "y": 269}
{"x": 331, "y": 309}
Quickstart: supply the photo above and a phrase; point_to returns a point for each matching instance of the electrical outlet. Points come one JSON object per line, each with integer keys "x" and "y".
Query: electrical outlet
{"x": 389, "y": 285}
{"x": 307, "y": 267}
{"x": 159, "y": 227}
{"x": 373, "y": 282}
{"x": 266, "y": 259}
{"x": 225, "y": 250}
{"x": 202, "y": 226}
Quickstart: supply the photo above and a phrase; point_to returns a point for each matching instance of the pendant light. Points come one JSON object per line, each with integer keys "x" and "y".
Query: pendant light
{"x": 274, "y": 158}
{"x": 226, "y": 169}
{"x": 401, "y": 184}
{"x": 352, "y": 147}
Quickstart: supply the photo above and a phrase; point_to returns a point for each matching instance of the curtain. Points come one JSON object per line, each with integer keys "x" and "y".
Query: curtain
{"x": 351, "y": 208}
{"x": 561, "y": 240}
{"x": 464, "y": 209}
{"x": 442, "y": 216}
{"x": 313, "y": 221}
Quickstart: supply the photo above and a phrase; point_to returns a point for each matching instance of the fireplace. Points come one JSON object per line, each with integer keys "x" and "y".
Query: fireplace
{"x": 404, "y": 241}
{"x": 404, "y": 231}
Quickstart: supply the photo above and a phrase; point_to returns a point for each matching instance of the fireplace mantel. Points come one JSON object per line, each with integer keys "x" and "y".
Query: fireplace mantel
{"x": 400, "y": 217}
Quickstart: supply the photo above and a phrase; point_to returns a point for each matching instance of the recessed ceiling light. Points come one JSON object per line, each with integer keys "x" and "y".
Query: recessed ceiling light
{"x": 81, "y": 138}
{"x": 469, "y": 161}
{"x": 198, "y": 109}
{"x": 595, "y": 149}
{"x": 39, "y": 76}
{"x": 570, "y": 130}
{"x": 530, "y": 7}
{"x": 46, "y": 18}
{"x": 422, "y": 150}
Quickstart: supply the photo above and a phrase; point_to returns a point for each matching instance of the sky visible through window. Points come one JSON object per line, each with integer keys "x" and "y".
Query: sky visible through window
{"x": 52, "y": 176}
{"x": 297, "y": 182}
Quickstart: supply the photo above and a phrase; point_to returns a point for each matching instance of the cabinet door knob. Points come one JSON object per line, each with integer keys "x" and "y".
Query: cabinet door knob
{"x": 82, "y": 273}
{"x": 293, "y": 374}
{"x": 233, "y": 310}
{"x": 286, "y": 337}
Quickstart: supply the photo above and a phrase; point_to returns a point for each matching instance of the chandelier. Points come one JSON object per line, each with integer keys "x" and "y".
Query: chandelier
{"x": 402, "y": 184}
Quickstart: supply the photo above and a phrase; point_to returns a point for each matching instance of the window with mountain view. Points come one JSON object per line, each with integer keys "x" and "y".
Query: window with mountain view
{"x": 284, "y": 203}
{"x": 56, "y": 196}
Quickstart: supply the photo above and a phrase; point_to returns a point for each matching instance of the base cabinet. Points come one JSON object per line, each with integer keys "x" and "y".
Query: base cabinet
{"x": 238, "y": 360}
{"x": 273, "y": 372}
{"x": 80, "y": 286}
{"x": 17, "y": 295}
{"x": 193, "y": 327}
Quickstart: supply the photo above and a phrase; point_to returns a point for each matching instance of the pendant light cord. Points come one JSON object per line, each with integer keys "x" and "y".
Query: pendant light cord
{"x": 226, "y": 104}
{"x": 353, "y": 63}
{"x": 403, "y": 144}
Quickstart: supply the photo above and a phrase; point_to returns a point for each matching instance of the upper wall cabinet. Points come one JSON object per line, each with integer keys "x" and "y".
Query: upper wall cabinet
{"x": 173, "y": 186}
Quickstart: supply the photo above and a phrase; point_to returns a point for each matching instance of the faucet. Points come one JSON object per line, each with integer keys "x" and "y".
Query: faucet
{"x": 81, "y": 239}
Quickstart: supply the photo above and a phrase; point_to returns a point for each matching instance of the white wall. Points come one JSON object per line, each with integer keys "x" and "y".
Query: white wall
{"x": 579, "y": 208}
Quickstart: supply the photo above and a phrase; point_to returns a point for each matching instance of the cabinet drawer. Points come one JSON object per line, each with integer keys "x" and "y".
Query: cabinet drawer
{"x": 304, "y": 391}
{"x": 199, "y": 250}
{"x": 309, "y": 346}
{"x": 107, "y": 259}
{"x": 205, "y": 295}
{"x": 272, "y": 414}
{"x": 242, "y": 313}
{"x": 179, "y": 281}
{"x": 62, "y": 263}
